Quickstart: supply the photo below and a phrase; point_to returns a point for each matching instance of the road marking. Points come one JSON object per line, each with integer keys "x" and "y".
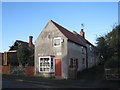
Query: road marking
{"x": 20, "y": 80}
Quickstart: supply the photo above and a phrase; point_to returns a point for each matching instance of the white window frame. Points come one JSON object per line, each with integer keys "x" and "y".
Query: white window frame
{"x": 90, "y": 47}
{"x": 54, "y": 41}
{"x": 74, "y": 62}
{"x": 82, "y": 48}
{"x": 92, "y": 60}
{"x": 50, "y": 70}
{"x": 83, "y": 60}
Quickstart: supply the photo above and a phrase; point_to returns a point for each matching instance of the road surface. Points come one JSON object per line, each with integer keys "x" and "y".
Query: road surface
{"x": 51, "y": 83}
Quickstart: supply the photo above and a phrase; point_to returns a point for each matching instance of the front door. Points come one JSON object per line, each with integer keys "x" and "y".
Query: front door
{"x": 58, "y": 67}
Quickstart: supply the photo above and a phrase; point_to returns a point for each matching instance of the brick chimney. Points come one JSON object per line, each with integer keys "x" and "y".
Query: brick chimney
{"x": 82, "y": 33}
{"x": 30, "y": 41}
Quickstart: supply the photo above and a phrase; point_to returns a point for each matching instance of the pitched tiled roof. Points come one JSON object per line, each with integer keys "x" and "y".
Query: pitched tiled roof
{"x": 22, "y": 42}
{"x": 74, "y": 37}
{"x": 17, "y": 43}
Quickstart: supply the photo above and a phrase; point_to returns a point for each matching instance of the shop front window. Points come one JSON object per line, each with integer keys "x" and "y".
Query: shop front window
{"x": 45, "y": 64}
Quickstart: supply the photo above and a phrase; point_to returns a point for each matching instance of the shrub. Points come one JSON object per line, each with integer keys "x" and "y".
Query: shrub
{"x": 113, "y": 63}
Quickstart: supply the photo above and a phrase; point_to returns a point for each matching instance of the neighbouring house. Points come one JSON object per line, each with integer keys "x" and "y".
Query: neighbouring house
{"x": 10, "y": 60}
{"x": 59, "y": 51}
{"x": 10, "y": 56}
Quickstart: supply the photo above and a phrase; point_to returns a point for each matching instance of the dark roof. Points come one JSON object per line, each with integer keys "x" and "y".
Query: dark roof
{"x": 16, "y": 43}
{"x": 74, "y": 37}
{"x": 19, "y": 41}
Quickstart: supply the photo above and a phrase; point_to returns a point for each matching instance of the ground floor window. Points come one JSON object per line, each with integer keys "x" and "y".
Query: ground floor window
{"x": 74, "y": 62}
{"x": 46, "y": 64}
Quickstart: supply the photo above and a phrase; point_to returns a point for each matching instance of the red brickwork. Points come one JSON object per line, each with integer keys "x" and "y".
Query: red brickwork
{"x": 29, "y": 71}
{"x": 0, "y": 69}
{"x": 4, "y": 69}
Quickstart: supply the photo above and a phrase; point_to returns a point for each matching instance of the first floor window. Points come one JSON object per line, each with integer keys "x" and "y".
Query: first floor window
{"x": 46, "y": 64}
{"x": 83, "y": 61}
{"x": 90, "y": 48}
{"x": 91, "y": 60}
{"x": 57, "y": 41}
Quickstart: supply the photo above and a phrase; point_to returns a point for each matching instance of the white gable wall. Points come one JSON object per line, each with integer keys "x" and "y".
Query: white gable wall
{"x": 44, "y": 47}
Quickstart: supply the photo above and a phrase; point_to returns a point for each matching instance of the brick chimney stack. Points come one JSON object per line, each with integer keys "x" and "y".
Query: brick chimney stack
{"x": 82, "y": 33}
{"x": 30, "y": 41}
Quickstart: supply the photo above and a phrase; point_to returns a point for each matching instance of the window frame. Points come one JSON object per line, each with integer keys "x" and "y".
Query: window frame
{"x": 82, "y": 49}
{"x": 50, "y": 69}
{"x": 54, "y": 41}
{"x": 73, "y": 62}
{"x": 91, "y": 48}
{"x": 83, "y": 60}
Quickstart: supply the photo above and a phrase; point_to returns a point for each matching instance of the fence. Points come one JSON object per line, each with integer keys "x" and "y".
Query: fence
{"x": 16, "y": 70}
{"x": 112, "y": 74}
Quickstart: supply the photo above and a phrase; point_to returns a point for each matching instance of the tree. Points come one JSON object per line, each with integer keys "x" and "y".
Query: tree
{"x": 102, "y": 47}
{"x": 23, "y": 54}
{"x": 30, "y": 61}
{"x": 108, "y": 47}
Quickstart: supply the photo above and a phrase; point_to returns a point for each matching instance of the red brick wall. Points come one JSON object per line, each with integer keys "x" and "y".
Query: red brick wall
{"x": 29, "y": 71}
{"x": 0, "y": 69}
{"x": 5, "y": 69}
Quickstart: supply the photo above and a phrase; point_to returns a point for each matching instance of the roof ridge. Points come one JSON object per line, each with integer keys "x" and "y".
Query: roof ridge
{"x": 21, "y": 41}
{"x": 61, "y": 26}
{"x": 83, "y": 39}
{"x": 68, "y": 34}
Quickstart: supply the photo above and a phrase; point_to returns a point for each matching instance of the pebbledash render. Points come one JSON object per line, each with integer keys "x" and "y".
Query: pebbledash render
{"x": 58, "y": 51}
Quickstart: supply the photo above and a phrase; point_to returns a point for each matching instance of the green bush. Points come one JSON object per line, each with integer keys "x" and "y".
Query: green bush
{"x": 113, "y": 63}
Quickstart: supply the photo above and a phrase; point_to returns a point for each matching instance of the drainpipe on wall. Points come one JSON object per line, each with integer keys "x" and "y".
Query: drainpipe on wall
{"x": 86, "y": 59}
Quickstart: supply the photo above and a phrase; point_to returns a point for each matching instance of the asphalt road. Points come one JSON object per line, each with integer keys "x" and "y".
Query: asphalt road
{"x": 46, "y": 83}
